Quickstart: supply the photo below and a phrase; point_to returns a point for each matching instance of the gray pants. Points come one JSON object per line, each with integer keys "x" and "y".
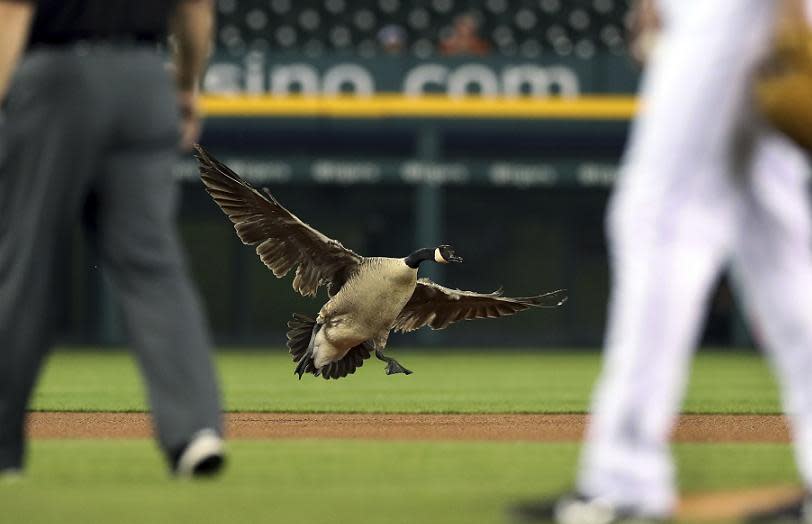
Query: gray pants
{"x": 102, "y": 120}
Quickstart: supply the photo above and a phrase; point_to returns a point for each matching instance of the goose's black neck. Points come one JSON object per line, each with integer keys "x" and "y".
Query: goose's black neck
{"x": 421, "y": 255}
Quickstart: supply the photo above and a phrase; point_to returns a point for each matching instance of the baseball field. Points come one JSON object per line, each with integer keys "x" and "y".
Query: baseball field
{"x": 469, "y": 433}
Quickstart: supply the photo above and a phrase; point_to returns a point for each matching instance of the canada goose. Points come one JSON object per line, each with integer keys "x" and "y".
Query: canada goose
{"x": 368, "y": 296}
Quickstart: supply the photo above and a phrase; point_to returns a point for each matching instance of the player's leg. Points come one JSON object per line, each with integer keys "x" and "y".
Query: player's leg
{"x": 46, "y": 151}
{"x": 773, "y": 267}
{"x": 27, "y": 246}
{"x": 138, "y": 239}
{"x": 162, "y": 311}
{"x": 670, "y": 227}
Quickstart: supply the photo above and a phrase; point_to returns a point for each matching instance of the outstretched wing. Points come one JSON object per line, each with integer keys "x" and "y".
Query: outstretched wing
{"x": 282, "y": 240}
{"x": 437, "y": 307}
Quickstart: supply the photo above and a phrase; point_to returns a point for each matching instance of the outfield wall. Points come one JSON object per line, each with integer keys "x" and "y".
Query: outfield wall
{"x": 518, "y": 184}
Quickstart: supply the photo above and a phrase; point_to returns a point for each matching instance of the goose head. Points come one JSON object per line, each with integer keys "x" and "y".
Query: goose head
{"x": 443, "y": 254}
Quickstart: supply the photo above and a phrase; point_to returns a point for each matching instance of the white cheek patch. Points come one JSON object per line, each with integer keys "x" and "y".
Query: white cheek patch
{"x": 438, "y": 257}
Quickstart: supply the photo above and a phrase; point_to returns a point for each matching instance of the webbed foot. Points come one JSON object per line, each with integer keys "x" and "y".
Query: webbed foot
{"x": 392, "y": 365}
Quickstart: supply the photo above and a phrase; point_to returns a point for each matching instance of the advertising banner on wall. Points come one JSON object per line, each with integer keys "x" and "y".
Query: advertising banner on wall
{"x": 268, "y": 73}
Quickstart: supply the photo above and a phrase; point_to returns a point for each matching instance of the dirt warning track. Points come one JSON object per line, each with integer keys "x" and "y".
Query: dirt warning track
{"x": 495, "y": 427}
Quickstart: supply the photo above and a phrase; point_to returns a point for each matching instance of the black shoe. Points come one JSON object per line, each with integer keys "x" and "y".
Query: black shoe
{"x": 797, "y": 512}
{"x": 577, "y": 509}
{"x": 203, "y": 456}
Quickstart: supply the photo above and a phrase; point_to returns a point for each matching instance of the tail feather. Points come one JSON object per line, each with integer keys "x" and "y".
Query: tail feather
{"x": 353, "y": 360}
{"x": 301, "y": 329}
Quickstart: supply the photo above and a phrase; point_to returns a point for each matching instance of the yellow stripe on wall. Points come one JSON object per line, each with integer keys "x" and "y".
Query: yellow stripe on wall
{"x": 428, "y": 106}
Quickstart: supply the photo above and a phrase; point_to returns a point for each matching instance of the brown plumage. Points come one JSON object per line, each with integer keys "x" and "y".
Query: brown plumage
{"x": 369, "y": 296}
{"x": 282, "y": 240}
{"x": 438, "y": 307}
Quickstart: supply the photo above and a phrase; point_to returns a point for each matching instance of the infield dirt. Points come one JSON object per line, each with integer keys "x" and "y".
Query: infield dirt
{"x": 530, "y": 427}
{"x": 697, "y": 507}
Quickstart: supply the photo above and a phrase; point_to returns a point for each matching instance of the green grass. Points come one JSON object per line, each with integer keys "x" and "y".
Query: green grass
{"x": 500, "y": 381}
{"x": 352, "y": 482}
{"x": 359, "y": 482}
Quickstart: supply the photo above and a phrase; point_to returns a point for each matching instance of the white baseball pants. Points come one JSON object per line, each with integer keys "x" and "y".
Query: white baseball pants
{"x": 704, "y": 184}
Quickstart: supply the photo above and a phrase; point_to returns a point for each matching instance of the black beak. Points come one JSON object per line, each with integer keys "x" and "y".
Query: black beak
{"x": 447, "y": 252}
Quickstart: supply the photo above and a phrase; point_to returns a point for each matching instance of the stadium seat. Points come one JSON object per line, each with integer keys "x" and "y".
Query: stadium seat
{"x": 523, "y": 28}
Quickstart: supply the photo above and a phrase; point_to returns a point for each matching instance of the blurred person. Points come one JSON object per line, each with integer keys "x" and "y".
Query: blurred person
{"x": 464, "y": 38}
{"x": 644, "y": 27}
{"x": 705, "y": 181}
{"x": 89, "y": 110}
{"x": 392, "y": 39}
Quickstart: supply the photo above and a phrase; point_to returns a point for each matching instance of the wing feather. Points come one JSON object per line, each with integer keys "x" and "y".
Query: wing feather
{"x": 282, "y": 241}
{"x": 438, "y": 307}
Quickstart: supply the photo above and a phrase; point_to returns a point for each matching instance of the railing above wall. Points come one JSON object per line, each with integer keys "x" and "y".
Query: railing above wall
{"x": 530, "y": 142}
{"x": 595, "y": 107}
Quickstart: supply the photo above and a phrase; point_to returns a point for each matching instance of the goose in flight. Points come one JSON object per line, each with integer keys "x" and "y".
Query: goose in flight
{"x": 368, "y": 296}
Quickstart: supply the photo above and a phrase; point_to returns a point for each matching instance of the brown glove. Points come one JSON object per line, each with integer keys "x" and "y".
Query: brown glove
{"x": 784, "y": 83}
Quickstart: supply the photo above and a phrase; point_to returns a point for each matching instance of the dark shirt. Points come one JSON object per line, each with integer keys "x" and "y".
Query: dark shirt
{"x": 65, "y": 21}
